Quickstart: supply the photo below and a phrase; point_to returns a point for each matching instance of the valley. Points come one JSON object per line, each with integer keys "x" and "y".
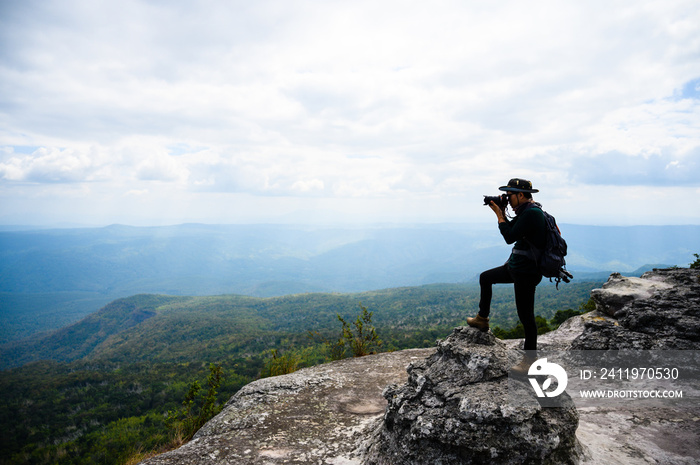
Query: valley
{"x": 100, "y": 390}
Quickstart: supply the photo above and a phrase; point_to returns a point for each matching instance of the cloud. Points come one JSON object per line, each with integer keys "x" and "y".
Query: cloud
{"x": 161, "y": 167}
{"x": 53, "y": 165}
{"x": 347, "y": 100}
{"x": 619, "y": 169}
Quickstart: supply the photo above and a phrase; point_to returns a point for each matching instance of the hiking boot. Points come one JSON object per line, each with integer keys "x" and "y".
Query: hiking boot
{"x": 479, "y": 322}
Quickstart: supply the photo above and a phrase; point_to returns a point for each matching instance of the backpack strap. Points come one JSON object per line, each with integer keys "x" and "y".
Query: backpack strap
{"x": 534, "y": 253}
{"x": 531, "y": 254}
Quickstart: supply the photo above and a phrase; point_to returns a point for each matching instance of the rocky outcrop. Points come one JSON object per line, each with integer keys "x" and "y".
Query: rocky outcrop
{"x": 315, "y": 415}
{"x": 660, "y": 310}
{"x": 456, "y": 409}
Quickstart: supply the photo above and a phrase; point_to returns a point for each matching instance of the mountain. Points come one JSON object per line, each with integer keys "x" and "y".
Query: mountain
{"x": 177, "y": 329}
{"x": 51, "y": 278}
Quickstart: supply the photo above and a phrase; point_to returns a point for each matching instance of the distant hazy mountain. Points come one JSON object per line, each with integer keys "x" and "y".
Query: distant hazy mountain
{"x": 60, "y": 275}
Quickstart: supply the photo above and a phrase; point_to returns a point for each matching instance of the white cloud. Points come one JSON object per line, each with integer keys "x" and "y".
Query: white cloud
{"x": 359, "y": 100}
{"x": 161, "y": 167}
{"x": 54, "y": 165}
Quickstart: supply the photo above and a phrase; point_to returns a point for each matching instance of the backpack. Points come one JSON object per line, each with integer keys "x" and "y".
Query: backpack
{"x": 550, "y": 260}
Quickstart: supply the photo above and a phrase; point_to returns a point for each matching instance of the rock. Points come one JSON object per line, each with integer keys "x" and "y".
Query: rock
{"x": 627, "y": 436}
{"x": 565, "y": 335}
{"x": 455, "y": 409}
{"x": 620, "y": 290}
{"x": 660, "y": 310}
{"x": 315, "y": 415}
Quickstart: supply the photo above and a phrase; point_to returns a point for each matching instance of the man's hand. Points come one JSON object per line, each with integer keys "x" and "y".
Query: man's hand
{"x": 497, "y": 210}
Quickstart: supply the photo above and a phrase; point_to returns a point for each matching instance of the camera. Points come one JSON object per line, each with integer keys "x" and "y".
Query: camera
{"x": 500, "y": 200}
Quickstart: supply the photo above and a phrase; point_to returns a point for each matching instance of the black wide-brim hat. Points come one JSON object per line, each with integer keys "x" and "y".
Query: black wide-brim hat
{"x": 518, "y": 185}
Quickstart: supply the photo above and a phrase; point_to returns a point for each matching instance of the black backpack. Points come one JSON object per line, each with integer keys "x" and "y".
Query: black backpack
{"x": 550, "y": 260}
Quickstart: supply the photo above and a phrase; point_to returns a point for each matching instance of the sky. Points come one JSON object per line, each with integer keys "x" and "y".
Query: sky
{"x": 165, "y": 112}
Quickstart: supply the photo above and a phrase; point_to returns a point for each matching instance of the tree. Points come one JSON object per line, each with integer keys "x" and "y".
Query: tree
{"x": 197, "y": 408}
{"x": 696, "y": 264}
{"x": 363, "y": 340}
{"x": 335, "y": 349}
{"x": 283, "y": 364}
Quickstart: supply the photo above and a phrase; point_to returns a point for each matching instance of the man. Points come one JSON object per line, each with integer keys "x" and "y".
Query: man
{"x": 527, "y": 229}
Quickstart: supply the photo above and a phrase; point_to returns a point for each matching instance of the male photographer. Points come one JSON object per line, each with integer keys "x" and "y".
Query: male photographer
{"x": 528, "y": 227}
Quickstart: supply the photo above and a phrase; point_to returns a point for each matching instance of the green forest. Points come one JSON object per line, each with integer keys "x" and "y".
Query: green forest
{"x": 138, "y": 375}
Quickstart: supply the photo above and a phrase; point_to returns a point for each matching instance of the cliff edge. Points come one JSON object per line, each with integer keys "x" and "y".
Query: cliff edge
{"x": 315, "y": 415}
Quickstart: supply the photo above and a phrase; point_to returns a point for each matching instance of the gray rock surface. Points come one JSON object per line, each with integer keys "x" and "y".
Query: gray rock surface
{"x": 660, "y": 310}
{"x": 455, "y": 409}
{"x": 639, "y": 436}
{"x": 568, "y": 332}
{"x": 315, "y": 415}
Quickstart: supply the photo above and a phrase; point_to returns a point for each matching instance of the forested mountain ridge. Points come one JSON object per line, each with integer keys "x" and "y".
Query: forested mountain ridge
{"x": 185, "y": 328}
{"x": 51, "y": 278}
{"x": 81, "y": 339}
{"x": 213, "y": 259}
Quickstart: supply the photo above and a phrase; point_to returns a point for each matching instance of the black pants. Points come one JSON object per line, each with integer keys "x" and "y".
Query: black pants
{"x": 524, "y": 286}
